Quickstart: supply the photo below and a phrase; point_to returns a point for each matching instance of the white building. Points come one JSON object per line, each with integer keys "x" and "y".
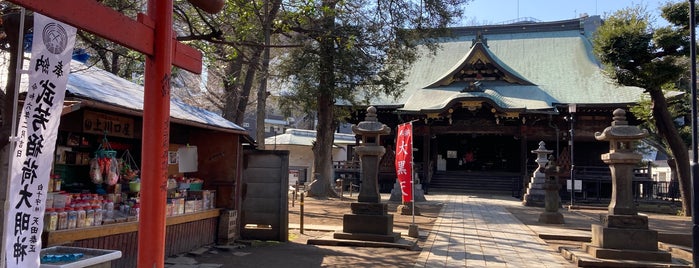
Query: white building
{"x": 299, "y": 143}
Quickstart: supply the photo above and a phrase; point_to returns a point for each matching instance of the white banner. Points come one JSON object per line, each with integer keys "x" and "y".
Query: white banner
{"x": 32, "y": 159}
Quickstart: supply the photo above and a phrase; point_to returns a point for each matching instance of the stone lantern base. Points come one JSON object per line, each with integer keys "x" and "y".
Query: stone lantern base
{"x": 625, "y": 237}
{"x": 551, "y": 217}
{"x": 368, "y": 222}
{"x": 407, "y": 209}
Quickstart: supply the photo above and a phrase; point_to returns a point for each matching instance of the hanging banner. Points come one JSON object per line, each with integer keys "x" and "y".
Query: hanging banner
{"x": 404, "y": 160}
{"x": 32, "y": 157}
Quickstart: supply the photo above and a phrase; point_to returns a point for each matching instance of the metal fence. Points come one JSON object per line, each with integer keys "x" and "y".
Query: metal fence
{"x": 596, "y": 184}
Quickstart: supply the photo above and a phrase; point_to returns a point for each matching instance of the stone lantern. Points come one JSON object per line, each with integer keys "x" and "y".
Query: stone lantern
{"x": 622, "y": 225}
{"x": 370, "y": 153}
{"x": 369, "y": 220}
{"x": 622, "y": 159}
{"x": 535, "y": 191}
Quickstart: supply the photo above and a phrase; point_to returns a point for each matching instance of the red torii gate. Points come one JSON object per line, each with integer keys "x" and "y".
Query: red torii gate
{"x": 151, "y": 34}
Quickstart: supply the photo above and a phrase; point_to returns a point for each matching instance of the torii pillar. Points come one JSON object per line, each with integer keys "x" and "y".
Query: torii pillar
{"x": 153, "y": 36}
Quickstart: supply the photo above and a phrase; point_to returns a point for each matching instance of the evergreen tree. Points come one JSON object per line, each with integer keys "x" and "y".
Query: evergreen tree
{"x": 352, "y": 51}
{"x": 636, "y": 54}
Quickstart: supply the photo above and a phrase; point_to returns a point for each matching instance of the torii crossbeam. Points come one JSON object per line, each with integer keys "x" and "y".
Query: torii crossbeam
{"x": 151, "y": 34}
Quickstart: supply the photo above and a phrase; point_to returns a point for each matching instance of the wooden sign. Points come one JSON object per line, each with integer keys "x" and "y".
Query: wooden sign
{"x": 111, "y": 125}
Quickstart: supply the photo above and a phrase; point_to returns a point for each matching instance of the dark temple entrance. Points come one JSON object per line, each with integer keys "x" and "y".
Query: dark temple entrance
{"x": 477, "y": 152}
{"x": 477, "y": 163}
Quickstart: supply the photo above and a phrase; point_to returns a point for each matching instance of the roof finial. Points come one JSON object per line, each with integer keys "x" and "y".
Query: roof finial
{"x": 479, "y": 39}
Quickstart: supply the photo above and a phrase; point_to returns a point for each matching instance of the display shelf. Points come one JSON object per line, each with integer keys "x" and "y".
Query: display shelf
{"x": 60, "y": 237}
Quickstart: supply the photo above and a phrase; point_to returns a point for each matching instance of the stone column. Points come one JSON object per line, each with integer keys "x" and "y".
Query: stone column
{"x": 623, "y": 234}
{"x": 535, "y": 194}
{"x": 369, "y": 158}
{"x": 552, "y": 200}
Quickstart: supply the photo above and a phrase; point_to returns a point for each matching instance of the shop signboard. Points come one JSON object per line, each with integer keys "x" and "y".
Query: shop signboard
{"x": 31, "y": 160}
{"x": 107, "y": 124}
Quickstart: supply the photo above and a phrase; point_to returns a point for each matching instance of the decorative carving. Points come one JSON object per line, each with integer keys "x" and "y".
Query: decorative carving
{"x": 479, "y": 39}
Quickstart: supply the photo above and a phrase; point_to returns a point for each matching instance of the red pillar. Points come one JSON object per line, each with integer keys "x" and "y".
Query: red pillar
{"x": 156, "y": 131}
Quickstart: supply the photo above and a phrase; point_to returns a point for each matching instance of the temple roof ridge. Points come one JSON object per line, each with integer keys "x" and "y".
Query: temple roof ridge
{"x": 478, "y": 65}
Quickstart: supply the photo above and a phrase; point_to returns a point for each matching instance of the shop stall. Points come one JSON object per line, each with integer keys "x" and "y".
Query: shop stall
{"x": 94, "y": 193}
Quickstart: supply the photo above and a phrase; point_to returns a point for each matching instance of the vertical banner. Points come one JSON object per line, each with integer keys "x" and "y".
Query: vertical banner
{"x": 404, "y": 160}
{"x": 32, "y": 157}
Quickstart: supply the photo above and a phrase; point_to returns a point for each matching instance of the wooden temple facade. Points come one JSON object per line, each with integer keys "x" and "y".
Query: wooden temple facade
{"x": 490, "y": 94}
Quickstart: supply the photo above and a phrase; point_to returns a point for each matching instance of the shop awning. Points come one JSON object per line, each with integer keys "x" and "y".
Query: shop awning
{"x": 93, "y": 87}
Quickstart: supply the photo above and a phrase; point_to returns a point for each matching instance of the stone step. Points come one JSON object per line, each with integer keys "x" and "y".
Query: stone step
{"x": 473, "y": 181}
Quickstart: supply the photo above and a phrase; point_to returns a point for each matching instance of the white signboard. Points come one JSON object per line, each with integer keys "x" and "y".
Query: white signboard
{"x": 52, "y": 49}
{"x": 578, "y": 185}
{"x": 187, "y": 158}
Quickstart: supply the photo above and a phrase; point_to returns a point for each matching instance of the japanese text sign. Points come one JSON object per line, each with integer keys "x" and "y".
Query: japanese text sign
{"x": 101, "y": 124}
{"x": 404, "y": 160}
{"x": 32, "y": 157}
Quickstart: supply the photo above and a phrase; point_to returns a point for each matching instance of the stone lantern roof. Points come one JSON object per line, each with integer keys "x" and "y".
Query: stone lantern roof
{"x": 370, "y": 127}
{"x": 620, "y": 130}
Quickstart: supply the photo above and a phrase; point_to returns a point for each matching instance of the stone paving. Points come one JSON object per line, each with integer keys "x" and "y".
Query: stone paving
{"x": 479, "y": 232}
{"x": 472, "y": 230}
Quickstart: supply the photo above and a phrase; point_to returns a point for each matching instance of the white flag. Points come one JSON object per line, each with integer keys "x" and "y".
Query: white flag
{"x": 32, "y": 156}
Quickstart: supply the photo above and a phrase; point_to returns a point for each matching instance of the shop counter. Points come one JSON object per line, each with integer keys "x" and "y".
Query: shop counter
{"x": 54, "y": 257}
{"x": 184, "y": 232}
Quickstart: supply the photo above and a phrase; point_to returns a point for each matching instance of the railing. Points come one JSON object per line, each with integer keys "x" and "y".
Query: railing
{"x": 667, "y": 190}
{"x": 597, "y": 184}
{"x": 342, "y": 186}
{"x": 346, "y": 166}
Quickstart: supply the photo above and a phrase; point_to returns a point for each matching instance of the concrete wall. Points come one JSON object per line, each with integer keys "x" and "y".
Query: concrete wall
{"x": 302, "y": 156}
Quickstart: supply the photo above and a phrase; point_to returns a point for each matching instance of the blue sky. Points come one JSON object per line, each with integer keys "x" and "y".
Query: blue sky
{"x": 496, "y": 11}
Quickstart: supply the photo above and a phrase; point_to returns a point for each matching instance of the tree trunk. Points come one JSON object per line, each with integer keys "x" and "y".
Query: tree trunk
{"x": 666, "y": 130}
{"x": 325, "y": 133}
{"x": 322, "y": 149}
{"x": 230, "y": 88}
{"x": 255, "y": 62}
{"x": 244, "y": 96}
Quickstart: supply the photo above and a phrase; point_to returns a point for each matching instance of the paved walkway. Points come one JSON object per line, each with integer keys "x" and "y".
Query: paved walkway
{"x": 471, "y": 231}
{"x": 479, "y": 232}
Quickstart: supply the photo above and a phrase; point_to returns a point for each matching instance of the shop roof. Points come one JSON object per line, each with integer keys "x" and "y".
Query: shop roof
{"x": 306, "y": 138}
{"x": 101, "y": 86}
{"x": 545, "y": 64}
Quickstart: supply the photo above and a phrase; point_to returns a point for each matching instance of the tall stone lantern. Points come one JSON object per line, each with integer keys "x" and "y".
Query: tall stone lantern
{"x": 621, "y": 160}
{"x": 623, "y": 233}
{"x": 369, "y": 219}
{"x": 370, "y": 153}
{"x": 535, "y": 189}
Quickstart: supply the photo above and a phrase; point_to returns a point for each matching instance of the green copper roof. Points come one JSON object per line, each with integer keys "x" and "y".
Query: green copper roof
{"x": 557, "y": 62}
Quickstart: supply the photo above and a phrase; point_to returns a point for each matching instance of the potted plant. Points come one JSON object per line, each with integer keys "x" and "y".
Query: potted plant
{"x": 129, "y": 172}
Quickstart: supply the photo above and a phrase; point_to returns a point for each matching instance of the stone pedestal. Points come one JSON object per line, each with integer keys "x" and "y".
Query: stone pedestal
{"x": 534, "y": 197}
{"x": 551, "y": 217}
{"x": 625, "y": 237}
{"x": 407, "y": 209}
{"x": 397, "y": 194}
{"x": 368, "y": 222}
